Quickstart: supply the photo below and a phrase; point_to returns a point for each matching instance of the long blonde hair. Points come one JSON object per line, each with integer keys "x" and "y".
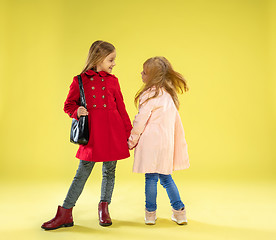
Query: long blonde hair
{"x": 98, "y": 51}
{"x": 160, "y": 74}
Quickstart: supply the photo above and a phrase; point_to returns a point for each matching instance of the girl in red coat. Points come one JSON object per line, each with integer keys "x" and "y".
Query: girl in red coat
{"x": 109, "y": 129}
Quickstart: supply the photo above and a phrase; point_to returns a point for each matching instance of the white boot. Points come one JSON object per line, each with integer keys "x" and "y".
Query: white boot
{"x": 179, "y": 216}
{"x": 150, "y": 217}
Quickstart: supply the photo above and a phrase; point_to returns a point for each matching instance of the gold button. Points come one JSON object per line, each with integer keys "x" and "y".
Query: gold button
{"x": 91, "y": 79}
{"x": 104, "y": 105}
{"x": 94, "y": 96}
{"x": 93, "y": 88}
{"x": 103, "y": 96}
{"x": 102, "y": 79}
{"x": 103, "y": 88}
{"x": 94, "y": 105}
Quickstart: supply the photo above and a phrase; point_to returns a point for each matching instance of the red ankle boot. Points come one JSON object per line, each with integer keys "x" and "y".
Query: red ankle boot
{"x": 104, "y": 218}
{"x": 63, "y": 218}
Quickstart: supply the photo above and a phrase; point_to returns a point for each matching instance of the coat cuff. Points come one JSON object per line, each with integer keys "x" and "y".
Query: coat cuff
{"x": 75, "y": 114}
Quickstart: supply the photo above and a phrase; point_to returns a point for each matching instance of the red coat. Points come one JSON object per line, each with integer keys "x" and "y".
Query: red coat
{"x": 108, "y": 121}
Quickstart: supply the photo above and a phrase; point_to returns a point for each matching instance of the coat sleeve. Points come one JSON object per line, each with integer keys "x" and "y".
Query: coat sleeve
{"x": 72, "y": 102}
{"x": 122, "y": 109}
{"x": 140, "y": 121}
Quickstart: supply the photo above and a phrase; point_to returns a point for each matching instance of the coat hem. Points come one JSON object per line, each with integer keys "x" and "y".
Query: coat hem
{"x": 109, "y": 160}
{"x": 161, "y": 172}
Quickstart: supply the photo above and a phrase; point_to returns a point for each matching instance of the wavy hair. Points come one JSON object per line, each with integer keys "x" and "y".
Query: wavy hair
{"x": 98, "y": 51}
{"x": 160, "y": 74}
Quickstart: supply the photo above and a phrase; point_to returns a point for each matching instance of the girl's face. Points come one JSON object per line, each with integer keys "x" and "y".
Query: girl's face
{"x": 144, "y": 75}
{"x": 108, "y": 63}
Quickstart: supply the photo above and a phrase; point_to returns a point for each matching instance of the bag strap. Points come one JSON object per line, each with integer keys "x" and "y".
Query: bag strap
{"x": 82, "y": 96}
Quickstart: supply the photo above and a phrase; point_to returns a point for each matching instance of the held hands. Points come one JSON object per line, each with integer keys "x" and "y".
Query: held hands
{"x": 130, "y": 146}
{"x": 82, "y": 111}
{"x": 128, "y": 143}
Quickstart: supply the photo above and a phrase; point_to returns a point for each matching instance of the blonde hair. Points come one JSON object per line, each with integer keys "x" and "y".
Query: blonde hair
{"x": 160, "y": 74}
{"x": 98, "y": 51}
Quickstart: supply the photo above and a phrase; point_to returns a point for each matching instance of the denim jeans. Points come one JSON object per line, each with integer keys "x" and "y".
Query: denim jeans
{"x": 82, "y": 174}
{"x": 151, "y": 191}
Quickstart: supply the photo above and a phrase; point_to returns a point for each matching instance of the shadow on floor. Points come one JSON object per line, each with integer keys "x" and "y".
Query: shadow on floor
{"x": 164, "y": 228}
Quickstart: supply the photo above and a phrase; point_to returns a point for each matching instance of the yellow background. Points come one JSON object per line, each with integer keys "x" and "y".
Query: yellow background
{"x": 225, "y": 49}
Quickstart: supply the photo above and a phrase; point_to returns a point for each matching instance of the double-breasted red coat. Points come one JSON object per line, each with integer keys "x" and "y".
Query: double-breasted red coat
{"x": 108, "y": 121}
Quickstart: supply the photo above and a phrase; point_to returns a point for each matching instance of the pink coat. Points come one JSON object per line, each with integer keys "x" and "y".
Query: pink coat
{"x": 159, "y": 136}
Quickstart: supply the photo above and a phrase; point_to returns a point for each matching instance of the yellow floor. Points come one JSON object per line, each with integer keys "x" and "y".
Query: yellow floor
{"x": 216, "y": 210}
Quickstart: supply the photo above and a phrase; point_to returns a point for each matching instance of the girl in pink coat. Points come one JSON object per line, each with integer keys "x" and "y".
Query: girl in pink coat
{"x": 158, "y": 135}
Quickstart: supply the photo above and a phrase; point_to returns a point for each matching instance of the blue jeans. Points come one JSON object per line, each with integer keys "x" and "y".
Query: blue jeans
{"x": 151, "y": 191}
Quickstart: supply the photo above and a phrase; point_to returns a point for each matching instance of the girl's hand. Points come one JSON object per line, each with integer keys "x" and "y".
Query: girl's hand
{"x": 129, "y": 145}
{"x": 82, "y": 111}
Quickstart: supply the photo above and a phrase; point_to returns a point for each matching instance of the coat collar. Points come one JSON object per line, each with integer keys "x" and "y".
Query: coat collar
{"x": 90, "y": 72}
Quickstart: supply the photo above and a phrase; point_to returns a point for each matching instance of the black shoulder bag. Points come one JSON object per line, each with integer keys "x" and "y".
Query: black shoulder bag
{"x": 79, "y": 128}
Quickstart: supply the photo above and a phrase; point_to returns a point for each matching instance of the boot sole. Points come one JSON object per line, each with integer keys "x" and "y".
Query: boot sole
{"x": 63, "y": 225}
{"x": 180, "y": 223}
{"x": 150, "y": 223}
{"x": 147, "y": 222}
{"x": 105, "y": 224}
